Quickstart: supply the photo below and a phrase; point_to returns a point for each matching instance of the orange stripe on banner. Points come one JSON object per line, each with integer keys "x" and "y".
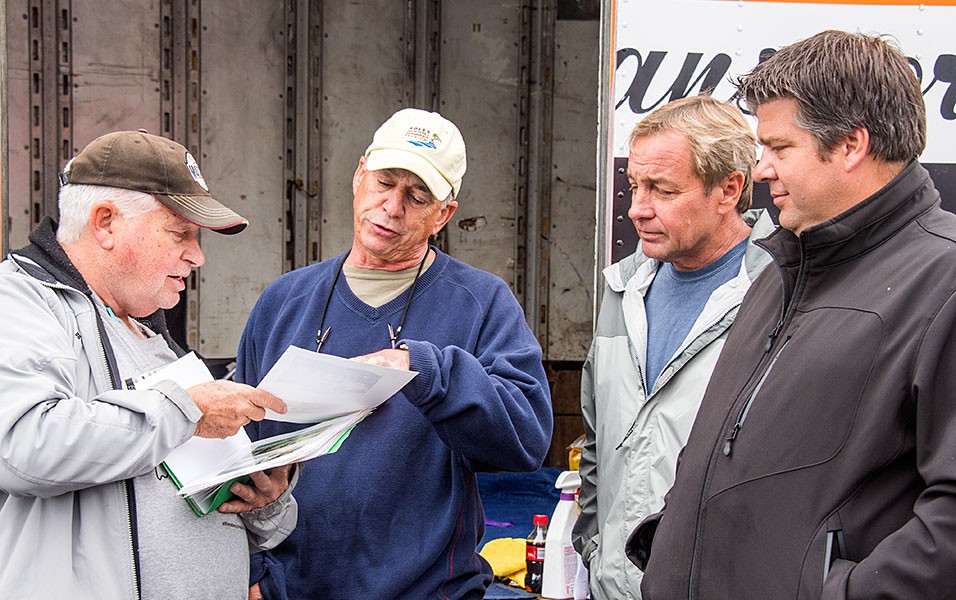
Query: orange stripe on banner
{"x": 873, "y": 2}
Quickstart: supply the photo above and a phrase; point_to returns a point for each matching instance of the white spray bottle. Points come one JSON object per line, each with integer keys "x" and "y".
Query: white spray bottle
{"x": 560, "y": 558}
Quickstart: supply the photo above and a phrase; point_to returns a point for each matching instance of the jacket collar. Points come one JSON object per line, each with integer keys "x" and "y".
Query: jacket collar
{"x": 860, "y": 228}
{"x": 618, "y": 274}
{"x": 50, "y": 262}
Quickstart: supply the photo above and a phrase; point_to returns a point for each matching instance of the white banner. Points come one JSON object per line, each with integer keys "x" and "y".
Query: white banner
{"x": 666, "y": 49}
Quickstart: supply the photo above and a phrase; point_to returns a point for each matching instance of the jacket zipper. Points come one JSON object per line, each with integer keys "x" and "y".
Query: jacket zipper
{"x": 703, "y": 331}
{"x": 786, "y": 316}
{"x": 640, "y": 371}
{"x": 128, "y": 491}
{"x": 130, "y": 494}
{"x": 745, "y": 409}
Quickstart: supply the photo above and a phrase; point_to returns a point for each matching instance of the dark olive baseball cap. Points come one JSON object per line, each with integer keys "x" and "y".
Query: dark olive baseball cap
{"x": 139, "y": 161}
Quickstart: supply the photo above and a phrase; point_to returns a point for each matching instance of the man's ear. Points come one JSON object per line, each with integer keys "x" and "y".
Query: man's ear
{"x": 357, "y": 177}
{"x": 444, "y": 215}
{"x": 854, "y": 148}
{"x": 103, "y": 219}
{"x": 730, "y": 188}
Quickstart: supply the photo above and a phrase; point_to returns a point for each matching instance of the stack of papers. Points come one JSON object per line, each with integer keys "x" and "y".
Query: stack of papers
{"x": 333, "y": 392}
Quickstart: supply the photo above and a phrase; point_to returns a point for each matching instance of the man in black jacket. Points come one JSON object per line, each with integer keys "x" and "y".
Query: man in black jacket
{"x": 822, "y": 463}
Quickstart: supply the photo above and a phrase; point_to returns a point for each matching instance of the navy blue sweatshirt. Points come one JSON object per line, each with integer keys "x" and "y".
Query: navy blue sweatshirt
{"x": 395, "y": 513}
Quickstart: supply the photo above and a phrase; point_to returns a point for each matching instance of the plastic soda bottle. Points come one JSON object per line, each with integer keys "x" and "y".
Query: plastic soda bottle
{"x": 534, "y": 554}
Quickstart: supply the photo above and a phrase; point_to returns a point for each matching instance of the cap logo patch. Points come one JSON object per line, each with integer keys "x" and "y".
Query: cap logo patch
{"x": 65, "y": 175}
{"x": 421, "y": 137}
{"x": 194, "y": 171}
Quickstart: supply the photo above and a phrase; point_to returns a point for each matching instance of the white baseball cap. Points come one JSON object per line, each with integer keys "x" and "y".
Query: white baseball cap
{"x": 425, "y": 143}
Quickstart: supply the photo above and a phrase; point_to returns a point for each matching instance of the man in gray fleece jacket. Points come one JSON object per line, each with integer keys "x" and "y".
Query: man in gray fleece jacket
{"x": 85, "y": 509}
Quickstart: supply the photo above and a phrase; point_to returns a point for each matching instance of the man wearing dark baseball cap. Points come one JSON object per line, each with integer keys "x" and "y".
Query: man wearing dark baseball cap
{"x": 87, "y": 510}
{"x": 136, "y": 160}
{"x": 396, "y": 514}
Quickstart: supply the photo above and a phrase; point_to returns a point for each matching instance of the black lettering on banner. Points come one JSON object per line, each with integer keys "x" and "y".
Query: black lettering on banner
{"x": 944, "y": 71}
{"x": 708, "y": 79}
{"x": 689, "y": 80}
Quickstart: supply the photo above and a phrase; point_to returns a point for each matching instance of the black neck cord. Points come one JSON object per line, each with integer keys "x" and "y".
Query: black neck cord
{"x": 393, "y": 334}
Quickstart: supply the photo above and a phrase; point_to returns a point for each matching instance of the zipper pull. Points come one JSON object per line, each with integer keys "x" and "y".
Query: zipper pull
{"x": 773, "y": 335}
{"x": 729, "y": 442}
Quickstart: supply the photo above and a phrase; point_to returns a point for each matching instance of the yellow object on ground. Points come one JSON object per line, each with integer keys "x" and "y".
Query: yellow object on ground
{"x": 507, "y": 559}
{"x": 574, "y": 453}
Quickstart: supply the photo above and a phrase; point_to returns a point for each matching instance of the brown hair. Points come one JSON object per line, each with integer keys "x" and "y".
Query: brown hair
{"x": 844, "y": 81}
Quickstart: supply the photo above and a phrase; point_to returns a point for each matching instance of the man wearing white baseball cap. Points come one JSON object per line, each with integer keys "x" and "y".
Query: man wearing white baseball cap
{"x": 396, "y": 513}
{"x": 87, "y": 510}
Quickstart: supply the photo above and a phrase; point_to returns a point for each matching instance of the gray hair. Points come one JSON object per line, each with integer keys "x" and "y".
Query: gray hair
{"x": 721, "y": 141}
{"x": 77, "y": 201}
{"x": 841, "y": 82}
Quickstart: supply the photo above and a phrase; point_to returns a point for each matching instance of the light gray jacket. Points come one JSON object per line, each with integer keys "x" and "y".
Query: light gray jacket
{"x": 633, "y": 435}
{"x": 70, "y": 443}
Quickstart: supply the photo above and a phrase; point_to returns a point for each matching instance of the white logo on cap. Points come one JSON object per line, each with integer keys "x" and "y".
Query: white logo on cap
{"x": 194, "y": 171}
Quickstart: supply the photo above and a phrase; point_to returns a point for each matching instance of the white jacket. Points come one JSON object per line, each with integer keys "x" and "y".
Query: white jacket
{"x": 634, "y": 436}
{"x": 69, "y": 443}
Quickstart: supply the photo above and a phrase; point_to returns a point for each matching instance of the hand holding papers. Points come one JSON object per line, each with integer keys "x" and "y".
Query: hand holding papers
{"x": 335, "y": 392}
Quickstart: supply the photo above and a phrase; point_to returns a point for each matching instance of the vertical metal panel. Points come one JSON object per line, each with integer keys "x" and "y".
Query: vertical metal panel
{"x": 3, "y": 130}
{"x": 602, "y": 250}
{"x": 311, "y": 126}
{"x": 573, "y": 190}
{"x": 480, "y": 74}
{"x": 243, "y": 58}
{"x": 45, "y": 37}
{"x": 303, "y": 130}
{"x": 538, "y": 210}
{"x": 423, "y": 35}
{"x": 18, "y": 119}
{"x": 363, "y": 58}
{"x": 296, "y": 116}
{"x": 175, "y": 96}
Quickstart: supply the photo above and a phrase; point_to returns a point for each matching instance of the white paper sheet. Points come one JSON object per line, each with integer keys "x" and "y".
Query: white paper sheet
{"x": 320, "y": 386}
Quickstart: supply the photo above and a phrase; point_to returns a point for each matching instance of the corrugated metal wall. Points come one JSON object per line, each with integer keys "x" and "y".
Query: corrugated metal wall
{"x": 277, "y": 100}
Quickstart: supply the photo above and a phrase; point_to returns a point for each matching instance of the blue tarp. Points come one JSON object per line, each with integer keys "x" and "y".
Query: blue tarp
{"x": 516, "y": 498}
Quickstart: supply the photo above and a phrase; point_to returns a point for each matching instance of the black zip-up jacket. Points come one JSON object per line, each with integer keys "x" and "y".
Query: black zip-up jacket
{"x": 822, "y": 463}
